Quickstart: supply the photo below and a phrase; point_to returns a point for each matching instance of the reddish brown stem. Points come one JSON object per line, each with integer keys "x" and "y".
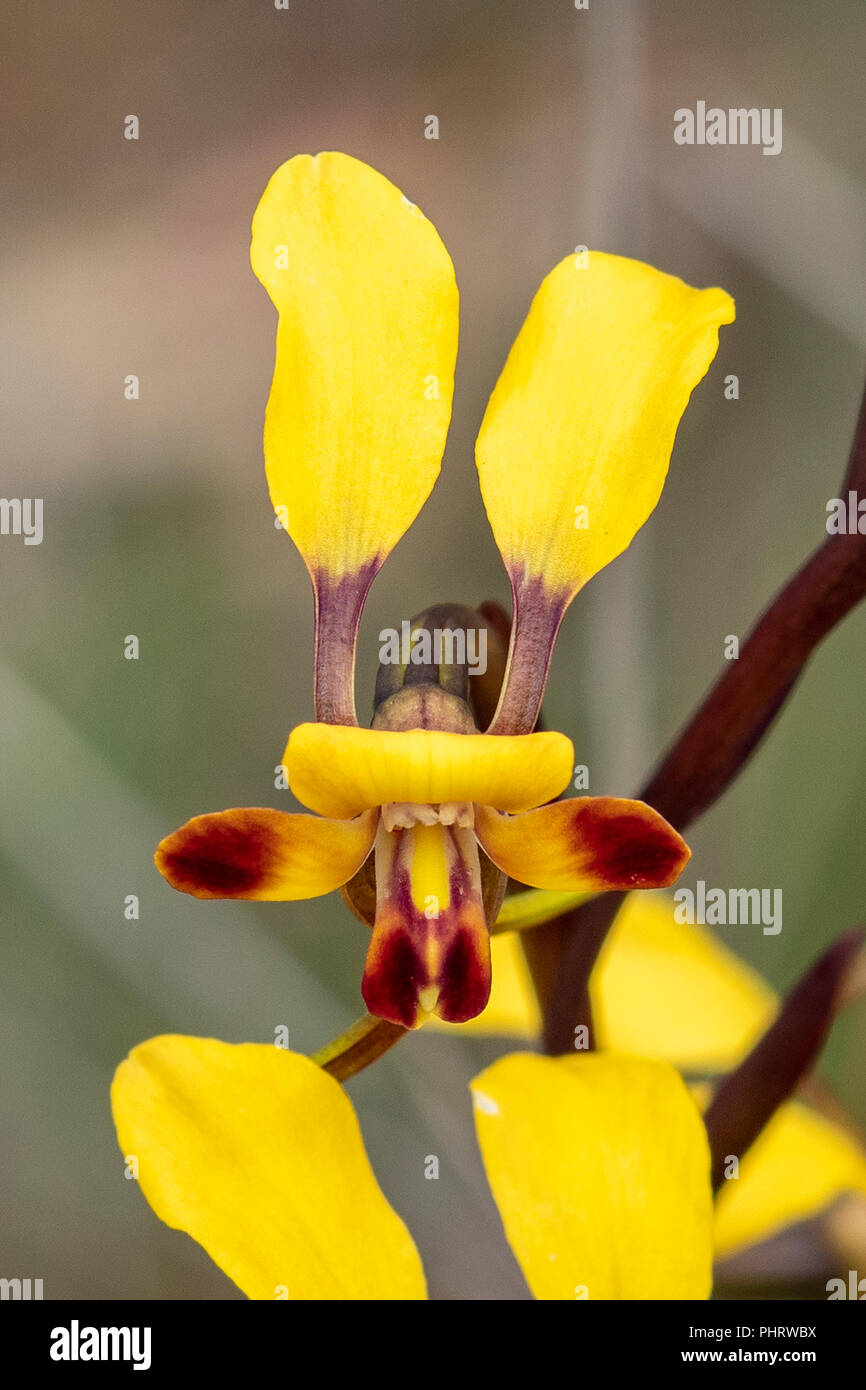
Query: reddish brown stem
{"x": 749, "y": 1097}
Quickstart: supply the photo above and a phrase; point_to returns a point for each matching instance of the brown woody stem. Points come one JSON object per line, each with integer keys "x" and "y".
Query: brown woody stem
{"x": 748, "y": 1098}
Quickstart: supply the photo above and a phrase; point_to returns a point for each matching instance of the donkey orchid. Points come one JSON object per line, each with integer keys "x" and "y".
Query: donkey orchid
{"x": 601, "y": 1165}
{"x": 572, "y": 456}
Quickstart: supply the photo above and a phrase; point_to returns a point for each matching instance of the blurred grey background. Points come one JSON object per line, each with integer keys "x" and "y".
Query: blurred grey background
{"x": 556, "y": 129}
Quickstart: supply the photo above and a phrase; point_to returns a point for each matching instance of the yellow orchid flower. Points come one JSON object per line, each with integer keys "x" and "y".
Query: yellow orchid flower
{"x": 572, "y": 456}
{"x": 600, "y": 1164}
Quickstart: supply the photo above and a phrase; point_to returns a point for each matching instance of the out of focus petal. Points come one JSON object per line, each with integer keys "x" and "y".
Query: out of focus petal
{"x": 600, "y": 1168}
{"x": 797, "y": 1166}
{"x": 256, "y": 1153}
{"x": 668, "y": 990}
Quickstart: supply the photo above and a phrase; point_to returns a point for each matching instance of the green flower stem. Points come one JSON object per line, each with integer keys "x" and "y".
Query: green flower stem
{"x": 364, "y": 1042}
{"x": 534, "y": 906}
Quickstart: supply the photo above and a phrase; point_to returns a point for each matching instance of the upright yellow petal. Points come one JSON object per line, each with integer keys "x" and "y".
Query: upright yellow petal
{"x": 586, "y": 409}
{"x": 339, "y": 771}
{"x": 799, "y": 1165}
{"x": 668, "y": 990}
{"x": 574, "y": 446}
{"x": 600, "y": 1168}
{"x": 256, "y": 1153}
{"x": 361, "y": 396}
{"x": 366, "y": 345}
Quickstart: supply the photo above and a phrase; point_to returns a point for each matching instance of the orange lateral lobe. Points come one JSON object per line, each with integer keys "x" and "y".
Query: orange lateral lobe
{"x": 430, "y": 948}
{"x": 582, "y": 843}
{"x": 257, "y": 853}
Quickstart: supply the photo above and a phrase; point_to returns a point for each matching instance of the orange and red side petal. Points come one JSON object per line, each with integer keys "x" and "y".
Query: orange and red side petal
{"x": 587, "y": 842}
{"x": 271, "y": 856}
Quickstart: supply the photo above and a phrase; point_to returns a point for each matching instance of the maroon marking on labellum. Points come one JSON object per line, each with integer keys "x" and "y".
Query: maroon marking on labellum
{"x": 628, "y": 849}
{"x": 466, "y": 976}
{"x": 391, "y": 975}
{"x": 405, "y": 939}
{"x": 224, "y": 855}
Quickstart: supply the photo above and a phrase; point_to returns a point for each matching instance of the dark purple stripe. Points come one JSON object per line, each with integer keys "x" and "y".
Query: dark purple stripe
{"x": 537, "y": 616}
{"x": 339, "y": 604}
